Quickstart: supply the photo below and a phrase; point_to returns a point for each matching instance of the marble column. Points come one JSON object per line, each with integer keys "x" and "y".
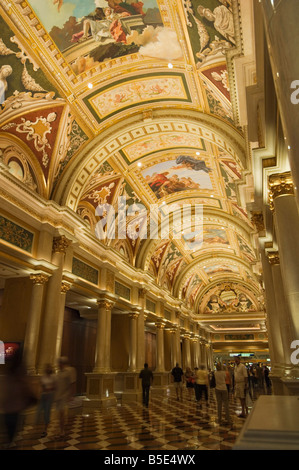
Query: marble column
{"x": 50, "y": 320}
{"x": 65, "y": 287}
{"x": 160, "y": 346}
{"x": 286, "y": 221}
{"x": 186, "y": 351}
{"x": 282, "y": 35}
{"x": 273, "y": 326}
{"x": 161, "y": 378}
{"x": 133, "y": 317}
{"x": 34, "y": 321}
{"x": 282, "y": 330}
{"x": 101, "y": 382}
{"x": 141, "y": 329}
{"x": 103, "y": 338}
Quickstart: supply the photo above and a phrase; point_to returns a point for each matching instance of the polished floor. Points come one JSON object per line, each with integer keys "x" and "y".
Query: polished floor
{"x": 166, "y": 425}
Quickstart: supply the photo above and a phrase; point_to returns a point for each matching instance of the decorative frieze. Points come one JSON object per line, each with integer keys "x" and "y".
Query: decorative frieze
{"x": 15, "y": 234}
{"x": 83, "y": 270}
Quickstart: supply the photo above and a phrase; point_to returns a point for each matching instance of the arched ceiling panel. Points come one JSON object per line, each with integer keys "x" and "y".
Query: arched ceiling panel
{"x": 137, "y": 100}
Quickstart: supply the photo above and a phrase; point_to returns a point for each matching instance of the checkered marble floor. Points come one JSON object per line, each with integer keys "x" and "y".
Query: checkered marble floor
{"x": 167, "y": 424}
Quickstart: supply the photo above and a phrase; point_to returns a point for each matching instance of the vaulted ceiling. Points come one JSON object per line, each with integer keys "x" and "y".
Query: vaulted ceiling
{"x": 145, "y": 105}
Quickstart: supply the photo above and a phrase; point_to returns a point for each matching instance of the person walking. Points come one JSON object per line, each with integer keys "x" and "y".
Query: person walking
{"x": 47, "y": 397}
{"x": 147, "y": 378}
{"x": 241, "y": 384}
{"x": 178, "y": 377}
{"x": 201, "y": 384}
{"x": 189, "y": 377}
{"x": 221, "y": 393}
{"x": 63, "y": 391}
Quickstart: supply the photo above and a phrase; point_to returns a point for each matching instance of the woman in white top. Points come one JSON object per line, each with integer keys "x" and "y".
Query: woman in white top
{"x": 221, "y": 393}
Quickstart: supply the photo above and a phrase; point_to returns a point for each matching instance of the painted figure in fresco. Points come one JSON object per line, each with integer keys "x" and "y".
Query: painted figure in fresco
{"x": 132, "y": 7}
{"x": 191, "y": 163}
{"x": 60, "y": 3}
{"x": 5, "y": 71}
{"x": 103, "y": 24}
{"x": 222, "y": 18}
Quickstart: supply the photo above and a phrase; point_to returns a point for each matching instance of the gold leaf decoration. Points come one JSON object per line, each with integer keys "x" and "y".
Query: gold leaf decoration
{"x": 29, "y": 82}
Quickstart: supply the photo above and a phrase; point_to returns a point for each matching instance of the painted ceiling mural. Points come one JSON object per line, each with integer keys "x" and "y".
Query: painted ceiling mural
{"x": 95, "y": 112}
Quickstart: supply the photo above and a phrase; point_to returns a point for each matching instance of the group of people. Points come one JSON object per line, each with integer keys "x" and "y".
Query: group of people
{"x": 17, "y": 395}
{"x": 200, "y": 381}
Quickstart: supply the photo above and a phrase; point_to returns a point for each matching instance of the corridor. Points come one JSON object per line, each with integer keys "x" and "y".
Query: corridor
{"x": 166, "y": 425}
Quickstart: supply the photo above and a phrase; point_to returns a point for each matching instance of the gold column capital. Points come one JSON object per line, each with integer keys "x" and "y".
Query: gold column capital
{"x": 106, "y": 304}
{"x": 257, "y": 218}
{"x": 39, "y": 278}
{"x": 142, "y": 292}
{"x": 160, "y": 325}
{"x": 133, "y": 315}
{"x": 60, "y": 244}
{"x": 65, "y": 287}
{"x": 273, "y": 257}
{"x": 280, "y": 185}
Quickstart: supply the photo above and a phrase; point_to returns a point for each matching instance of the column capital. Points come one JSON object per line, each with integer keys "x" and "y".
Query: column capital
{"x": 65, "y": 287}
{"x": 280, "y": 185}
{"x": 60, "y": 244}
{"x": 142, "y": 291}
{"x": 39, "y": 278}
{"x": 257, "y": 218}
{"x": 273, "y": 257}
{"x": 133, "y": 315}
{"x": 160, "y": 325}
{"x": 106, "y": 304}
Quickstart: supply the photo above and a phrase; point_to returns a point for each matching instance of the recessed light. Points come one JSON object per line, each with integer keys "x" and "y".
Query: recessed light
{"x": 139, "y": 164}
{"x": 90, "y": 85}
{"x": 170, "y": 66}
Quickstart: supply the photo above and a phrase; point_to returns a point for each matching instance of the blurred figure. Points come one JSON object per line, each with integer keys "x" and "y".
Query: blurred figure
{"x": 178, "y": 377}
{"x": 147, "y": 379}
{"x": 241, "y": 384}
{"x": 201, "y": 384}
{"x": 47, "y": 397}
{"x": 221, "y": 393}
{"x": 189, "y": 377}
{"x": 16, "y": 395}
{"x": 63, "y": 391}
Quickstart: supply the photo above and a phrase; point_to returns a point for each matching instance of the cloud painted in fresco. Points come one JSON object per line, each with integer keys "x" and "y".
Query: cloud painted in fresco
{"x": 164, "y": 46}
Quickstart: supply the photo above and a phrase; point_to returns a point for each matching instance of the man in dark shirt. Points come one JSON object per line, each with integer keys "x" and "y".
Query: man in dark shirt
{"x": 178, "y": 375}
{"x": 147, "y": 379}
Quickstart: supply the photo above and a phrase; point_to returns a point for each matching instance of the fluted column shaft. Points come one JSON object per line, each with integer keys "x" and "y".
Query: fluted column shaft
{"x": 103, "y": 337}
{"x": 52, "y": 311}
{"x": 273, "y": 326}
{"x": 282, "y": 34}
{"x": 160, "y": 347}
{"x": 34, "y": 321}
{"x": 133, "y": 317}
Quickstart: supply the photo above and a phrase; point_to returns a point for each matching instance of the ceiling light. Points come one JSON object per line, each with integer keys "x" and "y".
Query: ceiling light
{"x": 139, "y": 164}
{"x": 170, "y": 66}
{"x": 197, "y": 153}
{"x": 90, "y": 85}
{"x": 212, "y": 195}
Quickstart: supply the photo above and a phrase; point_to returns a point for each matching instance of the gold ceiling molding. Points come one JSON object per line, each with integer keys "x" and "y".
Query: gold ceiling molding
{"x": 280, "y": 185}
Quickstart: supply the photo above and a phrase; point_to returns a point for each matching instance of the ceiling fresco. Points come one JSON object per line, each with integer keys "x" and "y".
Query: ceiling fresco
{"x": 109, "y": 99}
